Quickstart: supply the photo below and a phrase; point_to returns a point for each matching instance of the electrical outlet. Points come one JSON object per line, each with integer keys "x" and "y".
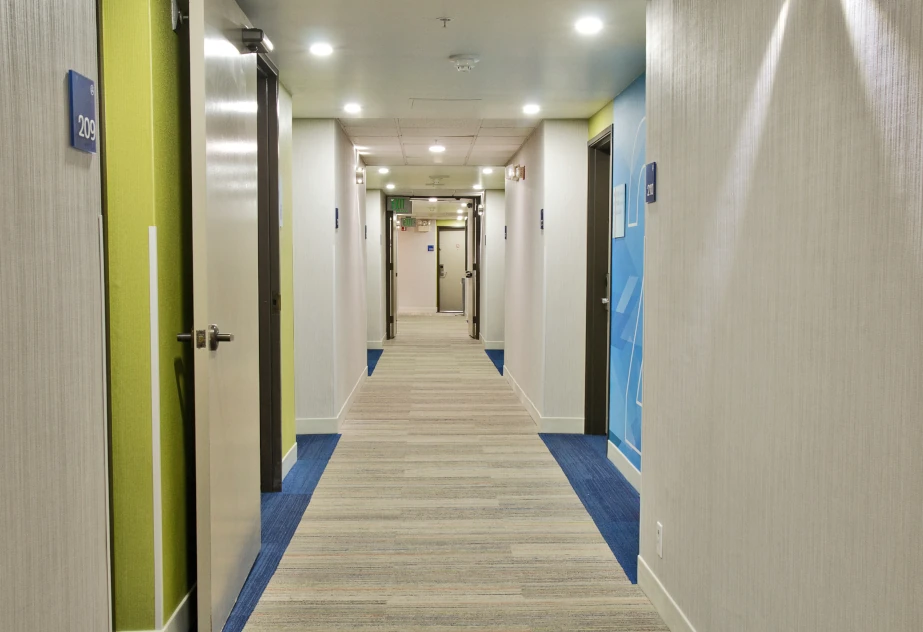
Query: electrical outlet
{"x": 660, "y": 540}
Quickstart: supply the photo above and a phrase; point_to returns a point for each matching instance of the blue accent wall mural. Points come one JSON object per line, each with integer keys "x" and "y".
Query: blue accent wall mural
{"x": 626, "y": 355}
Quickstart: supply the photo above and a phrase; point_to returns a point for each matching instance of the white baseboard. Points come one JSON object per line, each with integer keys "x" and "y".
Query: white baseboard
{"x": 289, "y": 460}
{"x": 626, "y": 467}
{"x": 375, "y": 344}
{"x": 561, "y": 425}
{"x": 331, "y": 426}
{"x": 317, "y": 426}
{"x": 669, "y": 611}
{"x": 547, "y": 425}
{"x": 492, "y": 344}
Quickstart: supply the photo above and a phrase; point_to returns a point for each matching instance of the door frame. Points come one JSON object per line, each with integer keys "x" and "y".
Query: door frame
{"x": 478, "y": 208}
{"x": 596, "y": 405}
{"x": 391, "y": 272}
{"x": 439, "y": 230}
{"x": 270, "y": 297}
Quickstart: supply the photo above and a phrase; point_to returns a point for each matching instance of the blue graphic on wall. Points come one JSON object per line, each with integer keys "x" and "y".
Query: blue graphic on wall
{"x": 626, "y": 355}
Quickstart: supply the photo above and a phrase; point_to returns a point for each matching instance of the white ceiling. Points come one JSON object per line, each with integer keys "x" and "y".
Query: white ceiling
{"x": 438, "y": 210}
{"x": 406, "y": 141}
{"x": 391, "y": 56}
{"x": 434, "y": 180}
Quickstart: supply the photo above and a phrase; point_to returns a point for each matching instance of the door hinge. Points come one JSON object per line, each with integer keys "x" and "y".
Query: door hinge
{"x": 277, "y": 303}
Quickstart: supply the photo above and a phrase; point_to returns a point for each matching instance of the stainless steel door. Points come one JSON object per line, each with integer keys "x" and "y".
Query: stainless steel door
{"x": 223, "y": 99}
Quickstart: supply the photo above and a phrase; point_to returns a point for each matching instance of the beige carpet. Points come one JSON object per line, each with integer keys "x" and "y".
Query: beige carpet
{"x": 442, "y": 509}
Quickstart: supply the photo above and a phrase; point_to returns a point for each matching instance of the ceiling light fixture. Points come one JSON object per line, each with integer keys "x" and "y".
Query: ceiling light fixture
{"x": 589, "y": 26}
{"x": 390, "y": 187}
{"x": 531, "y": 108}
{"x": 487, "y": 171}
{"x": 352, "y": 108}
{"x": 437, "y": 148}
{"x": 321, "y": 49}
{"x": 433, "y": 200}
{"x": 478, "y": 187}
{"x": 384, "y": 171}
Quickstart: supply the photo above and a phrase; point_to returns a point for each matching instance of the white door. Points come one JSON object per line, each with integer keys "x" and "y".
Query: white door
{"x": 224, "y": 225}
{"x": 452, "y": 249}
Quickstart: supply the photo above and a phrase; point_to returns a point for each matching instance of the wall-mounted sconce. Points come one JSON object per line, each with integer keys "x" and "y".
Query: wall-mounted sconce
{"x": 516, "y": 173}
{"x": 256, "y": 41}
{"x": 360, "y": 176}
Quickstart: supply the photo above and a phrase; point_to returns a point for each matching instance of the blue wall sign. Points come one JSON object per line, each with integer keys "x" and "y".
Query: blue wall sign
{"x": 651, "y": 188}
{"x": 431, "y": 248}
{"x": 84, "y": 127}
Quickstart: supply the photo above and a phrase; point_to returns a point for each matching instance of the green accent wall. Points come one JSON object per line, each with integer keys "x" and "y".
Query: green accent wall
{"x": 602, "y": 119}
{"x": 286, "y": 274}
{"x": 143, "y": 92}
{"x": 173, "y": 218}
{"x": 129, "y": 190}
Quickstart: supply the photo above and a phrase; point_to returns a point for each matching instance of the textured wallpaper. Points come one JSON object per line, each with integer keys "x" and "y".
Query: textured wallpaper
{"x": 783, "y": 433}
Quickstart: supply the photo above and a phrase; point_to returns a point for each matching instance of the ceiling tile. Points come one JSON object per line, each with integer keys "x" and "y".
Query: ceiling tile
{"x": 354, "y": 132}
{"x": 387, "y": 123}
{"x": 501, "y": 123}
{"x": 456, "y": 124}
{"x": 521, "y": 132}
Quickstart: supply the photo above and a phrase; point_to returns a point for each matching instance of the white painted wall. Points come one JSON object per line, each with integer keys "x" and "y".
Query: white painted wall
{"x": 376, "y": 257}
{"x": 524, "y": 312}
{"x": 546, "y": 276}
{"x": 313, "y": 202}
{"x": 493, "y": 269}
{"x": 565, "y": 269}
{"x": 329, "y": 274}
{"x": 416, "y": 269}
{"x": 350, "y": 320}
{"x": 784, "y": 294}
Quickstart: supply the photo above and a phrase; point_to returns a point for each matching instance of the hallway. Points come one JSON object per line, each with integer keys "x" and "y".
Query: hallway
{"x": 441, "y": 508}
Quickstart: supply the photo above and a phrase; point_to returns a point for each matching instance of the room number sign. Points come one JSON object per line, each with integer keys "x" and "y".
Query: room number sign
{"x": 84, "y": 127}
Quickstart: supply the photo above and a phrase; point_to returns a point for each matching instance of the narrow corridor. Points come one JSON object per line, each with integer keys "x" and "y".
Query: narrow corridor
{"x": 441, "y": 508}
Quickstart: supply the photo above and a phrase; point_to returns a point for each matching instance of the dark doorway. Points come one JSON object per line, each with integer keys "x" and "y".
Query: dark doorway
{"x": 270, "y": 298}
{"x": 391, "y": 275}
{"x": 599, "y": 243}
{"x": 474, "y": 271}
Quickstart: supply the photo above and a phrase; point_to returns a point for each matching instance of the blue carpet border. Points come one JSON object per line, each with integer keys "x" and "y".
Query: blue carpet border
{"x": 609, "y": 498}
{"x": 280, "y": 514}
{"x": 374, "y": 355}
{"x": 496, "y": 356}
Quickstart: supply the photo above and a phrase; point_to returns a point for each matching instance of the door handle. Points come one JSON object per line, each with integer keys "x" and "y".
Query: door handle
{"x": 606, "y": 304}
{"x": 196, "y": 336}
{"x": 215, "y": 337}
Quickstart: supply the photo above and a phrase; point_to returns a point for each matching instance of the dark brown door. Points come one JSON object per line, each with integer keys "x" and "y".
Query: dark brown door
{"x": 270, "y": 298}
{"x": 599, "y": 242}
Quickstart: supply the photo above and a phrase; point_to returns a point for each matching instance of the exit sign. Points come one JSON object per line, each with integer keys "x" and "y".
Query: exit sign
{"x": 399, "y": 205}
{"x": 408, "y": 222}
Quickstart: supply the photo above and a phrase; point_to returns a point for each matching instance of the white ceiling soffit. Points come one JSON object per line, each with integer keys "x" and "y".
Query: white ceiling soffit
{"x": 434, "y": 180}
{"x": 392, "y": 58}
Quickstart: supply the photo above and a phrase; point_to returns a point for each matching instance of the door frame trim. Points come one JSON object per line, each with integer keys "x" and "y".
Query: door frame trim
{"x": 605, "y": 136}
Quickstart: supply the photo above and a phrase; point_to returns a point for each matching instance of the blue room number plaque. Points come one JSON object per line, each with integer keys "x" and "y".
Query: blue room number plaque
{"x": 84, "y": 126}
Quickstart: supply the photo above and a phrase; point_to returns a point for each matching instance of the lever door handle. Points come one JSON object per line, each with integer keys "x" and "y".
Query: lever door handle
{"x": 183, "y": 337}
{"x": 605, "y": 301}
{"x": 215, "y": 337}
{"x": 196, "y": 338}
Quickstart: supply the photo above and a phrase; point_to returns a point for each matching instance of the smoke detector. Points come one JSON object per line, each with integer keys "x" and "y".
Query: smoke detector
{"x": 464, "y": 63}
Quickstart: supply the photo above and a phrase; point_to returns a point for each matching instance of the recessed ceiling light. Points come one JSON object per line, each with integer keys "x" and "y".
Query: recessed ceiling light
{"x": 390, "y": 187}
{"x": 321, "y": 49}
{"x": 352, "y": 108}
{"x": 487, "y": 171}
{"x": 531, "y": 109}
{"x": 437, "y": 148}
{"x": 478, "y": 187}
{"x": 589, "y": 26}
{"x": 433, "y": 200}
{"x": 384, "y": 171}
